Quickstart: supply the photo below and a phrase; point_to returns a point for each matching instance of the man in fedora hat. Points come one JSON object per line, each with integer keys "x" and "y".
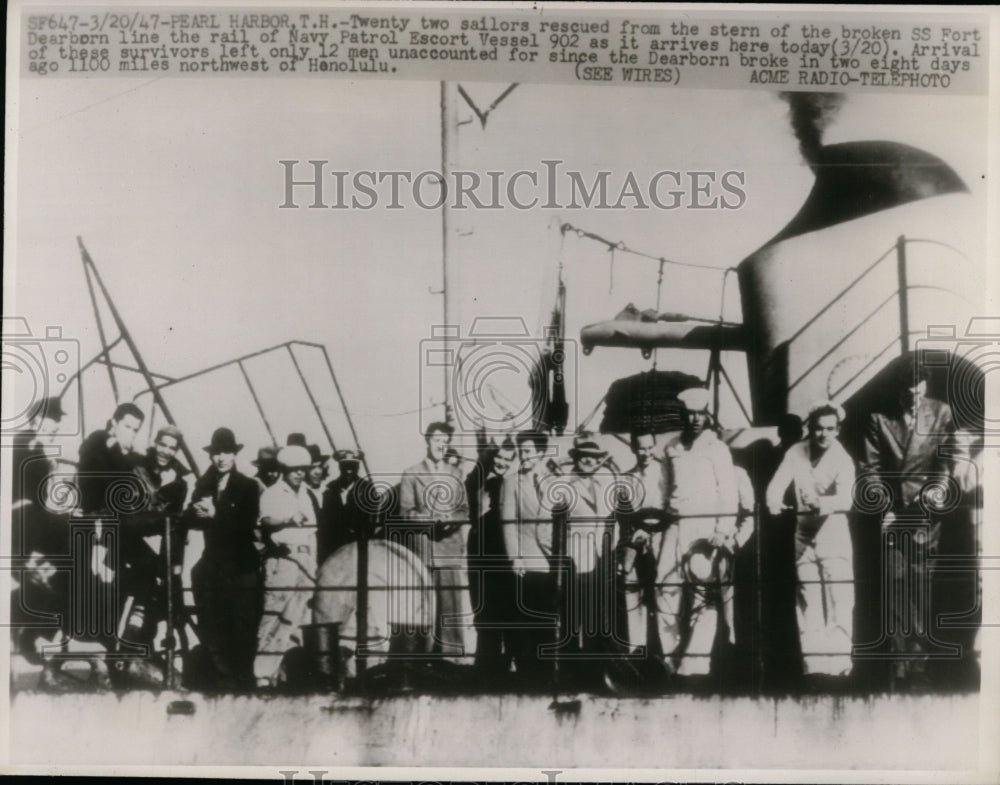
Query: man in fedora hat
{"x": 288, "y": 522}
{"x": 590, "y": 548}
{"x": 710, "y": 498}
{"x": 227, "y": 580}
{"x": 351, "y": 505}
{"x": 268, "y": 468}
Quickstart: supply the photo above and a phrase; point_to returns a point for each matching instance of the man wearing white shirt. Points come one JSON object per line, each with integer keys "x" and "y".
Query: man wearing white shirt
{"x": 815, "y": 481}
{"x": 288, "y": 523}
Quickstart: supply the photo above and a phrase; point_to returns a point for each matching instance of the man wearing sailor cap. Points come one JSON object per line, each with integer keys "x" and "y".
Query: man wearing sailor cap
{"x": 707, "y": 493}
{"x": 288, "y": 522}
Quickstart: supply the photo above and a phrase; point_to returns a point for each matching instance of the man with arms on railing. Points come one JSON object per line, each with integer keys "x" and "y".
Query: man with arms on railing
{"x": 814, "y": 482}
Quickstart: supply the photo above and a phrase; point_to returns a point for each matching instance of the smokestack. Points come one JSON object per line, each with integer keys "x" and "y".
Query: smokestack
{"x": 810, "y": 114}
{"x": 854, "y": 179}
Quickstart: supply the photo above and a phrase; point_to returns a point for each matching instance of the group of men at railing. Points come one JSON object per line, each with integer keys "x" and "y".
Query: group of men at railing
{"x": 568, "y": 565}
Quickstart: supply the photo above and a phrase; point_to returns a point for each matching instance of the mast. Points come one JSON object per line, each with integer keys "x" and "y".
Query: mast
{"x": 449, "y": 277}
{"x": 91, "y": 269}
{"x": 451, "y": 303}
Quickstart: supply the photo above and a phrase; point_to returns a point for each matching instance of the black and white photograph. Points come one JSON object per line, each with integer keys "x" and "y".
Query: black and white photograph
{"x": 500, "y": 391}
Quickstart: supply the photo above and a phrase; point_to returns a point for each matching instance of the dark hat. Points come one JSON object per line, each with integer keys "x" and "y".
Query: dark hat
{"x": 266, "y": 456}
{"x": 223, "y": 440}
{"x": 50, "y": 408}
{"x": 586, "y": 444}
{"x": 348, "y": 456}
{"x": 316, "y": 453}
{"x": 296, "y": 440}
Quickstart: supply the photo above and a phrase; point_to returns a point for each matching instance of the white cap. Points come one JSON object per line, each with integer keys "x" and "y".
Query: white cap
{"x": 294, "y": 457}
{"x": 696, "y": 399}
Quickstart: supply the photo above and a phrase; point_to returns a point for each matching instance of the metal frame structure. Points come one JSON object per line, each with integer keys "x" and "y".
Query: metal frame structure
{"x": 157, "y": 382}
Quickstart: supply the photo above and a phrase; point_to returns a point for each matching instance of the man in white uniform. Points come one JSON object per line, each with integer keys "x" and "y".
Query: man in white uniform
{"x": 709, "y": 495}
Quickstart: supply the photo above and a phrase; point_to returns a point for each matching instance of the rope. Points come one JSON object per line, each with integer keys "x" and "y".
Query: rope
{"x": 621, "y": 246}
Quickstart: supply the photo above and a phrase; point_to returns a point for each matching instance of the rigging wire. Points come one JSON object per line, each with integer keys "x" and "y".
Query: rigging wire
{"x": 621, "y": 246}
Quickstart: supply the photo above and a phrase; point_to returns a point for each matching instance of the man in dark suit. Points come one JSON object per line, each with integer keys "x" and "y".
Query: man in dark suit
{"x": 351, "y": 504}
{"x": 107, "y": 460}
{"x": 110, "y": 492}
{"x": 38, "y": 537}
{"x": 491, "y": 579}
{"x": 30, "y": 457}
{"x": 227, "y": 581}
{"x": 910, "y": 451}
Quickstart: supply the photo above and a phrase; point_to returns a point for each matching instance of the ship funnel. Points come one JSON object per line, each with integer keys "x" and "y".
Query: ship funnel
{"x": 821, "y": 299}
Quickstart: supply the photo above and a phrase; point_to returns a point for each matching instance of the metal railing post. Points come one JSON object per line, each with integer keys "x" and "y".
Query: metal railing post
{"x": 904, "y": 304}
{"x": 170, "y": 642}
{"x": 361, "y": 613}
{"x": 559, "y": 539}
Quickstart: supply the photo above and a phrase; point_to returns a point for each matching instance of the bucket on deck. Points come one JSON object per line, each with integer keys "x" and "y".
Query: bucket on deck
{"x": 323, "y": 662}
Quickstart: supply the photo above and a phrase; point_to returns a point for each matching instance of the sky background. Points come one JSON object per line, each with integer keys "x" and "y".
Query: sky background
{"x": 174, "y": 186}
